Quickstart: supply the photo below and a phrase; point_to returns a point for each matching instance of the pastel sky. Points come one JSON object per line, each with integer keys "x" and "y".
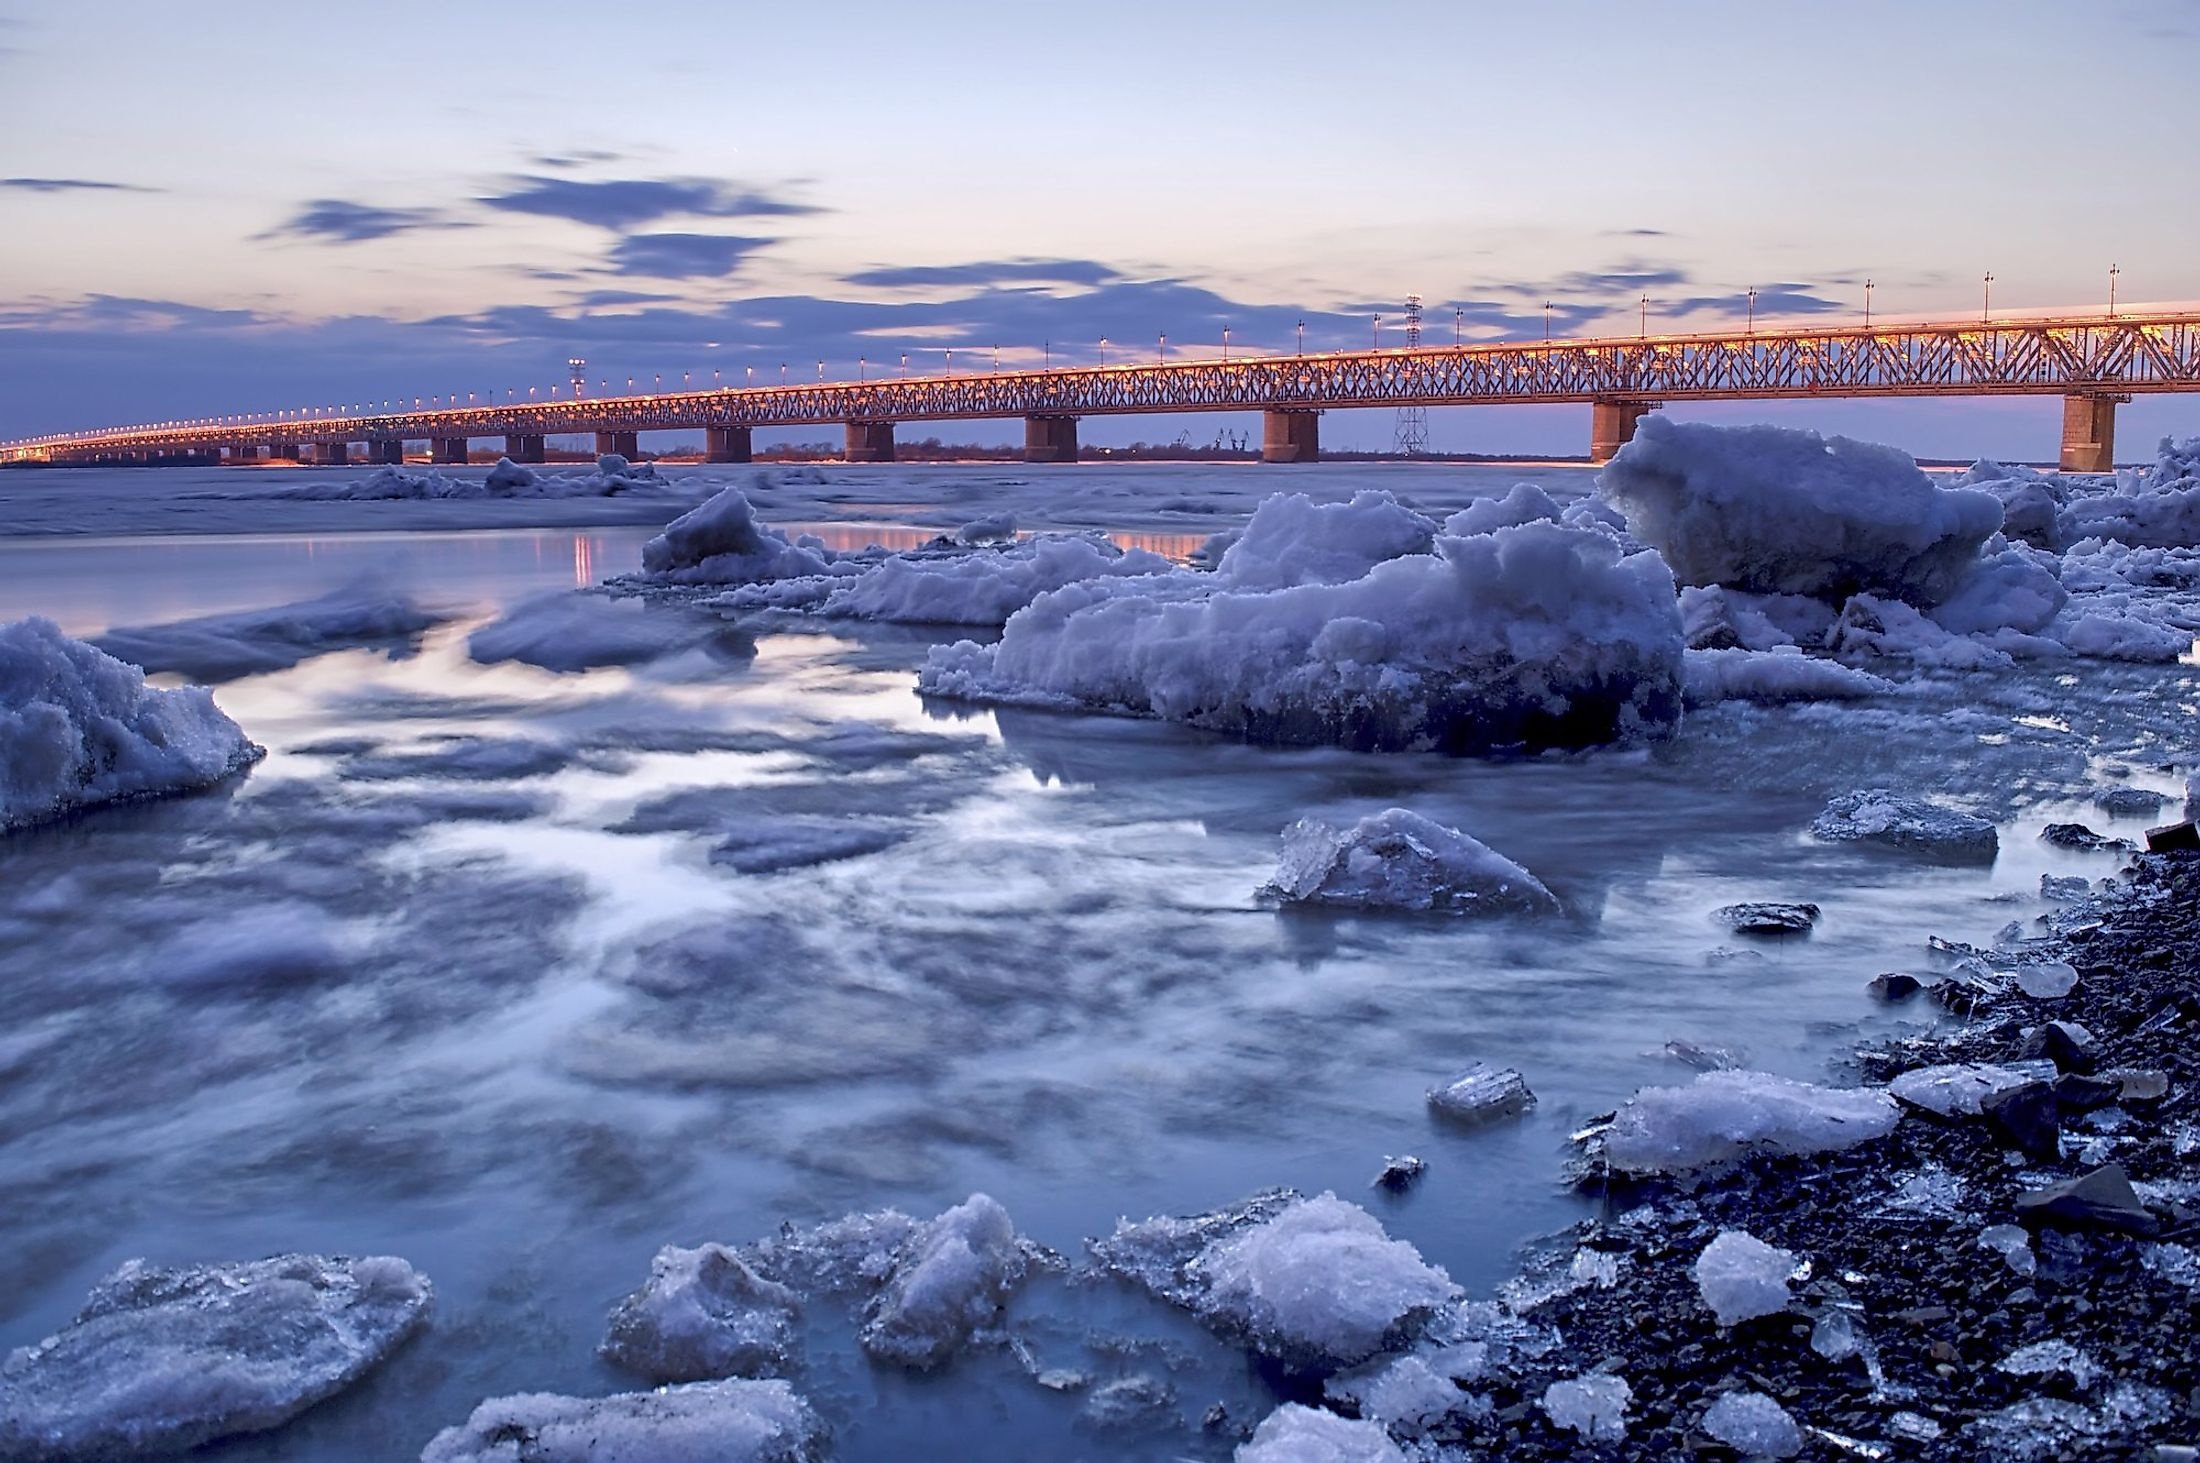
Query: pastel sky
{"x": 211, "y": 208}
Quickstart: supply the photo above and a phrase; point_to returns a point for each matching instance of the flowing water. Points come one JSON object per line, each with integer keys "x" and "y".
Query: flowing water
{"x": 453, "y": 974}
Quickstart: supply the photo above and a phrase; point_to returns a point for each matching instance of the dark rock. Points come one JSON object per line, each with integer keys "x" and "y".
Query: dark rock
{"x": 2102, "y": 1199}
{"x": 2077, "y": 835}
{"x": 2077, "y": 1092}
{"x": 2174, "y": 838}
{"x": 2029, "y": 1117}
{"x": 1399, "y": 1173}
{"x": 2065, "y": 1043}
{"x": 2129, "y": 802}
{"x": 1768, "y": 918}
{"x": 1895, "y": 986}
{"x": 1924, "y": 1315}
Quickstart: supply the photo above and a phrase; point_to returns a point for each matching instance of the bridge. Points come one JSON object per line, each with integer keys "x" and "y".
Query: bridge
{"x": 2093, "y": 362}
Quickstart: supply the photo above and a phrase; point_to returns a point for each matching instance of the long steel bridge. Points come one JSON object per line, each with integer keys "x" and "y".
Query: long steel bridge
{"x": 2092, "y": 361}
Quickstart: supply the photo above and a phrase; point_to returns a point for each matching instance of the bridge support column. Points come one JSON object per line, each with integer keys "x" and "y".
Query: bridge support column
{"x": 1290, "y": 436}
{"x": 283, "y": 451}
{"x": 333, "y": 454}
{"x": 620, "y": 442}
{"x": 448, "y": 450}
{"x": 870, "y": 442}
{"x": 524, "y": 447}
{"x": 2089, "y": 433}
{"x": 389, "y": 454}
{"x": 1612, "y": 426}
{"x": 729, "y": 444}
{"x": 1050, "y": 439}
{"x": 244, "y": 454}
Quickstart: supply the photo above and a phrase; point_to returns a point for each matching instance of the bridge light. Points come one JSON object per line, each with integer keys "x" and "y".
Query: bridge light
{"x": 1226, "y": 343}
{"x": 1378, "y": 332}
{"x": 1302, "y": 337}
{"x": 2113, "y": 271}
{"x": 1986, "y": 303}
{"x": 1103, "y": 350}
{"x": 1751, "y": 327}
{"x": 1163, "y": 358}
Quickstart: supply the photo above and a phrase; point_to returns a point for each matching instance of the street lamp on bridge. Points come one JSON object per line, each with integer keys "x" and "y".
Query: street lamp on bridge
{"x": 1986, "y": 304}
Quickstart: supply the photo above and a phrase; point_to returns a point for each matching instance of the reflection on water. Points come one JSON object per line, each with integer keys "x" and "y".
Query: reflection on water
{"x": 850, "y": 537}
{"x": 547, "y": 971}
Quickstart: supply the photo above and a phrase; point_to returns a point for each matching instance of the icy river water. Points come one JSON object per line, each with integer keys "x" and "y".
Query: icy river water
{"x": 453, "y": 975}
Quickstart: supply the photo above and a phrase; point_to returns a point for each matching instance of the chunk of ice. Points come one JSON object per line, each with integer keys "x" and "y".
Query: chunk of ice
{"x": 1753, "y": 1425}
{"x": 161, "y": 1360}
{"x": 1878, "y": 816}
{"x": 1741, "y": 1277}
{"x": 1398, "y": 859}
{"x": 1955, "y": 1089}
{"x": 1482, "y": 1094}
{"x": 949, "y": 1279}
{"x": 1722, "y": 1115}
{"x": 2049, "y": 981}
{"x": 704, "y": 1313}
{"x": 2046, "y": 1358}
{"x": 1297, "y": 1434}
{"x": 2013, "y": 1244}
{"x": 1594, "y": 1406}
{"x": 701, "y": 1422}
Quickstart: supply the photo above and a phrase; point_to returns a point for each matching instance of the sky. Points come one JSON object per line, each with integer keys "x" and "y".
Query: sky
{"x": 251, "y": 205}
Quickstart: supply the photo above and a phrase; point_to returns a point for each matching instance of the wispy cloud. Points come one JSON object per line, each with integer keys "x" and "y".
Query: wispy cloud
{"x": 336, "y": 221}
{"x": 1088, "y": 272}
{"x": 625, "y": 203}
{"x": 71, "y": 185}
{"x": 683, "y": 256}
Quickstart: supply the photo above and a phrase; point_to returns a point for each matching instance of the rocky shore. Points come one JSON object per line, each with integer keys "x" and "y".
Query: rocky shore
{"x": 2010, "y": 1272}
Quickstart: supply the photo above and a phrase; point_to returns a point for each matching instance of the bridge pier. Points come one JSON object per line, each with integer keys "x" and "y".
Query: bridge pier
{"x": 1612, "y": 425}
{"x": 283, "y": 451}
{"x": 729, "y": 444}
{"x": 870, "y": 442}
{"x": 333, "y": 454}
{"x": 448, "y": 450}
{"x": 622, "y": 443}
{"x": 2089, "y": 432}
{"x": 389, "y": 454}
{"x": 523, "y": 446}
{"x": 1050, "y": 439}
{"x": 1290, "y": 436}
{"x": 244, "y": 454}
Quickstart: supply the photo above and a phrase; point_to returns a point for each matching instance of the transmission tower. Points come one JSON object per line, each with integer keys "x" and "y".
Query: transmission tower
{"x": 1411, "y": 438}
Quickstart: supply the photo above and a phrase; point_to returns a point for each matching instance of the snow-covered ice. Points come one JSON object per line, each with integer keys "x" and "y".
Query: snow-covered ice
{"x": 1784, "y": 673}
{"x": 1315, "y": 1282}
{"x": 723, "y": 542}
{"x": 613, "y": 476}
{"x": 1753, "y": 1425}
{"x": 1537, "y": 635}
{"x": 577, "y": 630}
{"x": 1398, "y": 859}
{"x": 701, "y": 1422}
{"x": 1774, "y": 510}
{"x": 950, "y": 1279}
{"x": 164, "y": 1359}
{"x": 1407, "y": 1393}
{"x": 1722, "y": 1115}
{"x": 247, "y": 642}
{"x": 1593, "y": 1406}
{"x": 703, "y": 1313}
{"x": 1295, "y": 1433}
{"x": 79, "y": 728}
{"x": 1740, "y": 1277}
{"x": 1878, "y": 816}
{"x": 955, "y": 584}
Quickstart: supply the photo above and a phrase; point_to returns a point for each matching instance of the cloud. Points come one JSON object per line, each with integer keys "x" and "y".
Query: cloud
{"x": 1772, "y": 299}
{"x": 71, "y": 185}
{"x": 584, "y": 157}
{"x": 1626, "y": 280}
{"x": 335, "y": 221}
{"x": 1087, "y": 272}
{"x": 683, "y": 256}
{"x": 624, "y": 203}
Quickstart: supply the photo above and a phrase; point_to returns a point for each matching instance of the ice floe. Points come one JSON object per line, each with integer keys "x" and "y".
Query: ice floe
{"x": 1294, "y": 1433}
{"x": 79, "y": 728}
{"x": 1398, "y": 859}
{"x": 701, "y": 1422}
{"x": 1878, "y": 816}
{"x": 577, "y": 630}
{"x": 1723, "y": 1115}
{"x": 949, "y": 1279}
{"x": 613, "y": 475}
{"x": 704, "y": 1313}
{"x": 247, "y": 642}
{"x": 1740, "y": 1277}
{"x": 163, "y": 1359}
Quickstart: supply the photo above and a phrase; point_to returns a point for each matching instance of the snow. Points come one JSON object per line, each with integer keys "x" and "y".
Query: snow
{"x": 702, "y": 1422}
{"x": 1404, "y": 1392}
{"x": 79, "y": 728}
{"x": 1740, "y": 1277}
{"x": 947, "y": 585}
{"x": 577, "y": 630}
{"x": 160, "y": 1360}
{"x": 508, "y": 479}
{"x": 1298, "y": 1434}
{"x": 949, "y": 1279}
{"x": 1728, "y": 619}
{"x": 721, "y": 542}
{"x": 247, "y": 642}
{"x": 1397, "y": 859}
{"x": 2011, "y": 587}
{"x": 1781, "y": 674}
{"x": 1878, "y": 816}
{"x": 1594, "y": 1406}
{"x": 1535, "y": 635}
{"x": 1482, "y": 1093}
{"x": 1526, "y": 503}
{"x": 994, "y": 528}
{"x": 1954, "y": 1089}
{"x": 703, "y": 1313}
{"x": 1293, "y": 540}
{"x": 1780, "y": 511}
{"x": 1314, "y": 1282}
{"x": 1722, "y": 1115}
{"x": 1753, "y": 1425}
